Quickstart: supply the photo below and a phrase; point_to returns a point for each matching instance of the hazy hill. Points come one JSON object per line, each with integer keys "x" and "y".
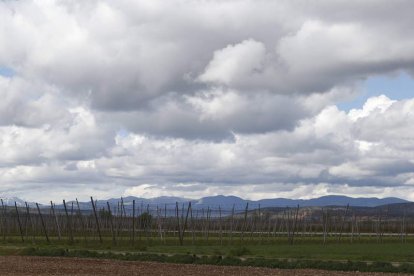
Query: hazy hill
{"x": 227, "y": 202}
{"x": 9, "y": 201}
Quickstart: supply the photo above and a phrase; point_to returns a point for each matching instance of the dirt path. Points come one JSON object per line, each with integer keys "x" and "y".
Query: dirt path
{"x": 16, "y": 265}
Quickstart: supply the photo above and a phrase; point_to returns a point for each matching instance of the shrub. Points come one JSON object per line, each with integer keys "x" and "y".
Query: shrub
{"x": 239, "y": 251}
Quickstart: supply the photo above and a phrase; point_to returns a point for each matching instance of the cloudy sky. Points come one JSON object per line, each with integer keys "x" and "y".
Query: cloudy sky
{"x": 191, "y": 98}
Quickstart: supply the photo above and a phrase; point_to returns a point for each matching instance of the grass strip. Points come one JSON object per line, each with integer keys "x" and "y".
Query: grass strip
{"x": 228, "y": 260}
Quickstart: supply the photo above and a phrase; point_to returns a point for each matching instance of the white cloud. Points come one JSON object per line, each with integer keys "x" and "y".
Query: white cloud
{"x": 328, "y": 148}
{"x": 235, "y": 62}
{"x": 195, "y": 98}
{"x": 380, "y": 103}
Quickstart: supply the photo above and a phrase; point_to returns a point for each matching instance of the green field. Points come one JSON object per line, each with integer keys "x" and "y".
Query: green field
{"x": 364, "y": 250}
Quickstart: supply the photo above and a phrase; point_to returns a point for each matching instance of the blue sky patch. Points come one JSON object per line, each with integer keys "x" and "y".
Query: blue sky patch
{"x": 6, "y": 72}
{"x": 396, "y": 87}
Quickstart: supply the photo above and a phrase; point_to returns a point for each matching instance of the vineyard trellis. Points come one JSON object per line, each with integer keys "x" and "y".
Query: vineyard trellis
{"x": 182, "y": 223}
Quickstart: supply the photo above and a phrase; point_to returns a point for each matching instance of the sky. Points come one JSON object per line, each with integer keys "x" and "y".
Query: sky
{"x": 257, "y": 99}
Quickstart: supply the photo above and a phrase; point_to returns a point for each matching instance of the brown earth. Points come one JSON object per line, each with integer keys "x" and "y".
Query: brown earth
{"x": 18, "y": 265}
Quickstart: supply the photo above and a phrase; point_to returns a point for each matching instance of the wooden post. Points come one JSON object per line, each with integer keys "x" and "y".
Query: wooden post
{"x": 253, "y": 224}
{"x": 294, "y": 224}
{"x": 165, "y": 223}
{"x": 72, "y": 220}
{"x": 178, "y": 222}
{"x": 26, "y": 222}
{"x": 118, "y": 218}
{"x": 68, "y": 223}
{"x": 3, "y": 220}
{"x": 97, "y": 221}
{"x": 232, "y": 224}
{"x": 81, "y": 221}
{"x": 159, "y": 223}
{"x": 259, "y": 226}
{"x": 269, "y": 226}
{"x": 203, "y": 223}
{"x": 124, "y": 219}
{"x": 19, "y": 222}
{"x": 192, "y": 226}
{"x": 282, "y": 224}
{"x": 197, "y": 224}
{"x": 288, "y": 224}
{"x": 352, "y": 227}
{"x": 185, "y": 224}
{"x": 325, "y": 225}
{"x": 220, "y": 227}
{"x": 29, "y": 220}
{"x": 275, "y": 227}
{"x": 385, "y": 222}
{"x": 148, "y": 223}
{"x": 133, "y": 222}
{"x": 343, "y": 222}
{"x": 403, "y": 227}
{"x": 111, "y": 224}
{"x": 244, "y": 221}
{"x": 56, "y": 220}
{"x": 208, "y": 215}
{"x": 43, "y": 223}
{"x": 379, "y": 227}
{"x": 358, "y": 228}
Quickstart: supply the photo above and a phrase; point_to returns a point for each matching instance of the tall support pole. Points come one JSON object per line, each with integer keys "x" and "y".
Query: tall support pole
{"x": 220, "y": 227}
{"x": 288, "y": 224}
{"x": 294, "y": 224}
{"x": 165, "y": 223}
{"x": 244, "y": 222}
{"x": 111, "y": 221}
{"x": 325, "y": 224}
{"x": 208, "y": 215}
{"x": 43, "y": 223}
{"x": 118, "y": 217}
{"x": 269, "y": 226}
{"x": 148, "y": 224}
{"x": 282, "y": 225}
{"x": 26, "y": 222}
{"x": 122, "y": 218}
{"x": 73, "y": 221}
{"x": 81, "y": 220}
{"x": 159, "y": 223}
{"x": 56, "y": 220}
{"x": 343, "y": 223}
{"x": 133, "y": 222}
{"x": 259, "y": 226}
{"x": 31, "y": 223}
{"x": 3, "y": 220}
{"x": 192, "y": 226}
{"x": 232, "y": 224}
{"x": 97, "y": 220}
{"x": 178, "y": 222}
{"x": 378, "y": 228}
{"x": 141, "y": 222}
{"x": 352, "y": 227}
{"x": 403, "y": 233}
{"x": 68, "y": 222}
{"x": 19, "y": 222}
{"x": 185, "y": 224}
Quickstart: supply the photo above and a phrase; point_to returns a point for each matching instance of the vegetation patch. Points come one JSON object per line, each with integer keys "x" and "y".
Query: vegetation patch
{"x": 240, "y": 251}
{"x": 224, "y": 260}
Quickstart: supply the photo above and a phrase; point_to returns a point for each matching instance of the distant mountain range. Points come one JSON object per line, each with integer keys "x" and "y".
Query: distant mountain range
{"x": 332, "y": 200}
{"x": 10, "y": 201}
{"x": 227, "y": 202}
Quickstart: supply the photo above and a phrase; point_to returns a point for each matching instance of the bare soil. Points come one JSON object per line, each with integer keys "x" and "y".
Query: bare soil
{"x": 19, "y": 265}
